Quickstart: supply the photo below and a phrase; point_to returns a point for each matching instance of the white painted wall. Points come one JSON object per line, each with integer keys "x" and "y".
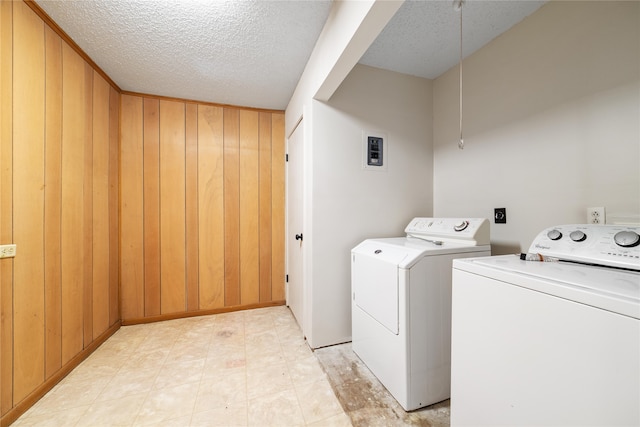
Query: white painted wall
{"x": 349, "y": 203}
{"x": 551, "y": 123}
{"x": 349, "y": 31}
{"x": 552, "y": 126}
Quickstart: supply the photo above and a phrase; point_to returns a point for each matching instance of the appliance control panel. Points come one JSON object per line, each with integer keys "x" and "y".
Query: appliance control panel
{"x": 474, "y": 231}
{"x": 599, "y": 244}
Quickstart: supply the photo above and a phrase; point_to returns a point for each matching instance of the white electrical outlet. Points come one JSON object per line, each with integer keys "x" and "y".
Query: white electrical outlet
{"x": 596, "y": 215}
{"x": 7, "y": 251}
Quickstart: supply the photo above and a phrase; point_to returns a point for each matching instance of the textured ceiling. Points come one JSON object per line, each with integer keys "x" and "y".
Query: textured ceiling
{"x": 423, "y": 38}
{"x": 253, "y": 52}
{"x": 246, "y": 53}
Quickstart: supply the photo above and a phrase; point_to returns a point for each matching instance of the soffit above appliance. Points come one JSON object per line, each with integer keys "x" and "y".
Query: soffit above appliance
{"x": 423, "y": 38}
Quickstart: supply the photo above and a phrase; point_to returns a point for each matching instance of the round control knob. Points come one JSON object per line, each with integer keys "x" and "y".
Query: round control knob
{"x": 554, "y": 234}
{"x": 627, "y": 239}
{"x": 578, "y": 236}
{"x": 461, "y": 226}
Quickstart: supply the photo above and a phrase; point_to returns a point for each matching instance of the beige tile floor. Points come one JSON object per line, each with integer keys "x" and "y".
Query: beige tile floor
{"x": 246, "y": 368}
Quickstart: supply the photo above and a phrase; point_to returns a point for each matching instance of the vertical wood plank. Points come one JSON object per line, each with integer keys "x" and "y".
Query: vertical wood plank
{"x": 131, "y": 208}
{"x": 100, "y": 205}
{"x": 6, "y": 211}
{"x": 151, "y": 206}
{"x": 231, "y": 207}
{"x": 211, "y": 241}
{"x": 52, "y": 206}
{"x": 114, "y": 206}
{"x": 172, "y": 206}
{"x": 277, "y": 207}
{"x": 265, "y": 205}
{"x": 6, "y": 155}
{"x": 72, "y": 241}
{"x": 191, "y": 199}
{"x": 28, "y": 200}
{"x": 249, "y": 208}
{"x": 87, "y": 193}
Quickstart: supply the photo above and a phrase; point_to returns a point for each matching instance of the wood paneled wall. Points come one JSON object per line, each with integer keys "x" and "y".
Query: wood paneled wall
{"x": 59, "y": 177}
{"x": 121, "y": 207}
{"x": 202, "y": 207}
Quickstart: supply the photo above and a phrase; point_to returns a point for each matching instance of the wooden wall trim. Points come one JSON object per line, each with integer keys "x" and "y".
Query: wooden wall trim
{"x": 20, "y": 408}
{"x": 184, "y": 315}
{"x": 195, "y": 101}
{"x": 55, "y": 27}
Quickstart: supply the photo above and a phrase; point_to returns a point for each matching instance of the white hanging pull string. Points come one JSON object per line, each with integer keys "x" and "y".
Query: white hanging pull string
{"x": 461, "y": 141}
{"x": 459, "y": 4}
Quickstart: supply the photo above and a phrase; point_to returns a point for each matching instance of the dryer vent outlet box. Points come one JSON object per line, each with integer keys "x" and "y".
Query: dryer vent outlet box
{"x": 374, "y": 151}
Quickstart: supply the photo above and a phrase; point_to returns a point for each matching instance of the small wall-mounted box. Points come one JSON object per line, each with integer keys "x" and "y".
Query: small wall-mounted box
{"x": 375, "y": 155}
{"x": 374, "y": 151}
{"x": 7, "y": 251}
{"x": 500, "y": 215}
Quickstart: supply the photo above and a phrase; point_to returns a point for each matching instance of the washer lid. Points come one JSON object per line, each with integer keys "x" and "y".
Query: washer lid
{"x": 610, "y": 289}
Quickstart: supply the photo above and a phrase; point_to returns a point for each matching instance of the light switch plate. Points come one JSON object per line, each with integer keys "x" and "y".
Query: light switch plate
{"x": 7, "y": 251}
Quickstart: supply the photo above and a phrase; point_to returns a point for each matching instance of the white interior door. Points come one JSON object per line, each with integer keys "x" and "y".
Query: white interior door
{"x": 295, "y": 236}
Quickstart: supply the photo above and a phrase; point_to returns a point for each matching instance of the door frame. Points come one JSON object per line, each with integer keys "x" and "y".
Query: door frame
{"x": 288, "y": 227}
{"x": 306, "y": 258}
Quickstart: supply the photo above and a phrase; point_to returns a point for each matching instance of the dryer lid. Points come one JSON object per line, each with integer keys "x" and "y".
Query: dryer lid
{"x": 405, "y": 252}
{"x": 390, "y": 251}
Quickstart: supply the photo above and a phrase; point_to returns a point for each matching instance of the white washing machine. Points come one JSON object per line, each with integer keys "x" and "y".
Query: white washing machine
{"x": 550, "y": 343}
{"x": 401, "y": 305}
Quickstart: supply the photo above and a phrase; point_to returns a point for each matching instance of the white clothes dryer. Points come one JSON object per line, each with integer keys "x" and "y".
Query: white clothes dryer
{"x": 550, "y": 343}
{"x": 401, "y": 304}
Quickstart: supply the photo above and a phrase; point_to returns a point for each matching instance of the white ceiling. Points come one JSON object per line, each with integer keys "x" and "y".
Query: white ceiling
{"x": 252, "y": 53}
